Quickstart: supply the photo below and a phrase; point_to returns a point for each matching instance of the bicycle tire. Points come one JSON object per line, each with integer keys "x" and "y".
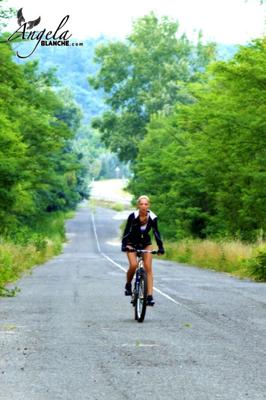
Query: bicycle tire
{"x": 141, "y": 298}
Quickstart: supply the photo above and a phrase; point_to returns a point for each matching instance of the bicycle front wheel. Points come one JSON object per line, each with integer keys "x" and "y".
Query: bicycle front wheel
{"x": 141, "y": 300}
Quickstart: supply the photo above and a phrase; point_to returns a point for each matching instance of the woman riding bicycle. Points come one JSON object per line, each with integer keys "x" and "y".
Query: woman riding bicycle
{"x": 136, "y": 236}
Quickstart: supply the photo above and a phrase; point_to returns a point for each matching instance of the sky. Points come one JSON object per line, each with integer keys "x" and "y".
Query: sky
{"x": 222, "y": 21}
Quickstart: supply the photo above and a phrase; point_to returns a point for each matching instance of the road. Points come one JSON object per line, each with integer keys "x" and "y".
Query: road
{"x": 70, "y": 333}
{"x": 111, "y": 190}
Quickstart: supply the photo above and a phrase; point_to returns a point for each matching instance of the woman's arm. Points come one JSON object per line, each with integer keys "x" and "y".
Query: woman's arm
{"x": 157, "y": 235}
{"x": 127, "y": 231}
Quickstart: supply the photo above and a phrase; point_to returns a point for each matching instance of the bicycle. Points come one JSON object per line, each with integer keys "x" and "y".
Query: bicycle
{"x": 139, "y": 294}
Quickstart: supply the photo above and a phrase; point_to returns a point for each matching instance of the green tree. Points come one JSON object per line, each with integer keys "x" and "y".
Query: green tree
{"x": 144, "y": 75}
{"x": 232, "y": 142}
{"x": 39, "y": 170}
{"x": 13, "y": 150}
{"x": 204, "y": 165}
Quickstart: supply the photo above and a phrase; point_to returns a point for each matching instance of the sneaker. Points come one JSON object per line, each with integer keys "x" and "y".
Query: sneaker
{"x": 150, "y": 301}
{"x": 128, "y": 289}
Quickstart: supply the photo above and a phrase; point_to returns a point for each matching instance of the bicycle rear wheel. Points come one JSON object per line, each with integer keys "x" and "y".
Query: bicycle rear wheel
{"x": 141, "y": 298}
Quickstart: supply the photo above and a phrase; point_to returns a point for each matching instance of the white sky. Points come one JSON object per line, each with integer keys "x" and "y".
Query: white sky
{"x": 224, "y": 21}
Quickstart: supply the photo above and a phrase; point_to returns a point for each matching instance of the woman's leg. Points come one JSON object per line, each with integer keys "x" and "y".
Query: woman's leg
{"x": 132, "y": 258}
{"x": 148, "y": 268}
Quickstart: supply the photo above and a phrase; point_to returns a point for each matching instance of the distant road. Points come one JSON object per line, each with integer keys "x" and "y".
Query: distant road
{"x": 70, "y": 333}
{"x": 111, "y": 190}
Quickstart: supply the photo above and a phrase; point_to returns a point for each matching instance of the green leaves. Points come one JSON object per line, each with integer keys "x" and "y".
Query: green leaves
{"x": 39, "y": 169}
{"x": 204, "y": 165}
{"x": 143, "y": 76}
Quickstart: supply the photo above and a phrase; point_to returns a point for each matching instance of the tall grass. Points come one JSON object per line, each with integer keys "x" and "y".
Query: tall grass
{"x": 245, "y": 260}
{"x": 26, "y": 247}
{"x": 234, "y": 257}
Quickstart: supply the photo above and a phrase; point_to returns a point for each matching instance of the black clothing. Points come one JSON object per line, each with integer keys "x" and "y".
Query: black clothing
{"x": 137, "y": 235}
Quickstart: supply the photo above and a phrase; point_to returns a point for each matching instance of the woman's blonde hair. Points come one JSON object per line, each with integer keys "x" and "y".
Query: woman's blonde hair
{"x": 143, "y": 197}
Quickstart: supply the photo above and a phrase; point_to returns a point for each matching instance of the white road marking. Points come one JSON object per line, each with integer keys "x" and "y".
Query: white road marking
{"x": 95, "y": 233}
{"x": 123, "y": 269}
{"x": 113, "y": 262}
{"x": 167, "y": 296}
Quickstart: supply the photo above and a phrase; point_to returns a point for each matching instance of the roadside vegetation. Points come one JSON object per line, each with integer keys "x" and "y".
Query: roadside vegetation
{"x": 29, "y": 247}
{"x": 42, "y": 175}
{"x": 193, "y": 128}
{"x": 188, "y": 127}
{"x": 108, "y": 204}
{"x": 234, "y": 257}
{"x": 237, "y": 258}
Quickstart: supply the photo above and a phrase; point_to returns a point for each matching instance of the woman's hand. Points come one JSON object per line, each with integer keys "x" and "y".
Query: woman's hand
{"x": 160, "y": 251}
{"x": 129, "y": 247}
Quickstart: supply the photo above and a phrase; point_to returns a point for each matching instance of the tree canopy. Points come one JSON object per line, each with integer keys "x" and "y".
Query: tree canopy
{"x": 143, "y": 75}
{"x": 39, "y": 169}
{"x": 204, "y": 165}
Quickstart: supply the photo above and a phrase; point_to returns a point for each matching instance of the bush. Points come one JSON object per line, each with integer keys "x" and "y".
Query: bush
{"x": 257, "y": 266}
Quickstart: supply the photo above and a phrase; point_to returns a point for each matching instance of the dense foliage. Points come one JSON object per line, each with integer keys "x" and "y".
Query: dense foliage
{"x": 143, "y": 75}
{"x": 39, "y": 170}
{"x": 204, "y": 165}
{"x": 72, "y": 66}
{"x": 193, "y": 127}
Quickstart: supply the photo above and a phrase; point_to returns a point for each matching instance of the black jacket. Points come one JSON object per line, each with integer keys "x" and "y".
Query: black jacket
{"x": 134, "y": 235}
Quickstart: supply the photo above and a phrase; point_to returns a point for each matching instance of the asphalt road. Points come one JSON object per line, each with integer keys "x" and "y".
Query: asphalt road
{"x": 111, "y": 190}
{"x": 70, "y": 333}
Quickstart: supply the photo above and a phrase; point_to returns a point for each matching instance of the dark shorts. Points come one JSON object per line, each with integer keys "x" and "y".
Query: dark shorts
{"x": 141, "y": 245}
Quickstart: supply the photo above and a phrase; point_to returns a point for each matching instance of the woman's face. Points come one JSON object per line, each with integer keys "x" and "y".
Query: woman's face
{"x": 143, "y": 205}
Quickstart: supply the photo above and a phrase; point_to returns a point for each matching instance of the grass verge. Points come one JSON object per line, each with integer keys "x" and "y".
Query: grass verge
{"x": 233, "y": 257}
{"x": 109, "y": 204}
{"x": 30, "y": 247}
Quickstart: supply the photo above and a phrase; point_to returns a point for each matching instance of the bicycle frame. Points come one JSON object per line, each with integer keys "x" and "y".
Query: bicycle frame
{"x": 140, "y": 267}
{"x": 139, "y": 294}
{"x": 139, "y": 272}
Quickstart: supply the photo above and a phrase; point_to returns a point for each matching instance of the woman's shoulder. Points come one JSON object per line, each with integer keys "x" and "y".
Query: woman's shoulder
{"x": 131, "y": 215}
{"x": 152, "y": 215}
